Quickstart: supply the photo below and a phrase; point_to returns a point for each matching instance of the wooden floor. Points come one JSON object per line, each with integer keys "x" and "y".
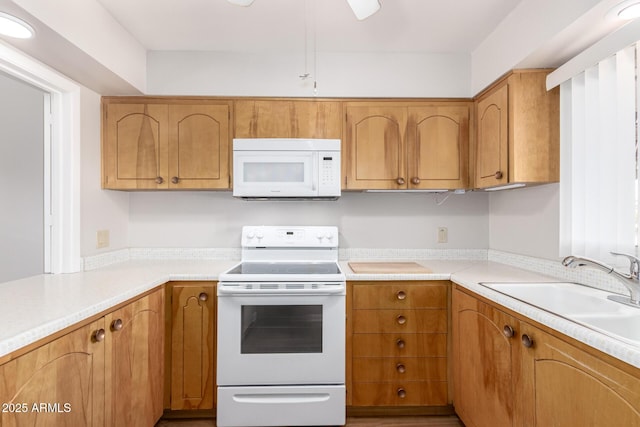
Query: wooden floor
{"x": 433, "y": 421}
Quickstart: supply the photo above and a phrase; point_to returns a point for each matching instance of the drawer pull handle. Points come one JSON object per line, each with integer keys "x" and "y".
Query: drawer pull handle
{"x": 401, "y": 320}
{"x": 159, "y": 180}
{"x": 175, "y": 180}
{"x": 402, "y": 393}
{"x": 499, "y": 175}
{"x": 98, "y": 335}
{"x": 401, "y": 295}
{"x": 527, "y": 341}
{"x": 401, "y": 368}
{"x": 400, "y": 180}
{"x": 508, "y": 331}
{"x": 203, "y": 296}
{"x": 400, "y": 343}
{"x": 116, "y": 325}
{"x": 415, "y": 180}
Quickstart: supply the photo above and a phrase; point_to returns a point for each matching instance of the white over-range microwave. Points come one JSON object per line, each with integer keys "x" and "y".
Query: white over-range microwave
{"x": 286, "y": 168}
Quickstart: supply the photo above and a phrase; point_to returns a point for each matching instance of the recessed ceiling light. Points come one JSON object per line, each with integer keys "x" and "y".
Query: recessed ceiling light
{"x": 628, "y": 9}
{"x": 15, "y": 27}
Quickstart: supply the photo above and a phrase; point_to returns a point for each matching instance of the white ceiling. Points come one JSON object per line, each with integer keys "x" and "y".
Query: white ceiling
{"x": 280, "y": 25}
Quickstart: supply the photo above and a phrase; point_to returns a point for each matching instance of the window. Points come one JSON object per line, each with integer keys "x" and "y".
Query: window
{"x": 598, "y": 183}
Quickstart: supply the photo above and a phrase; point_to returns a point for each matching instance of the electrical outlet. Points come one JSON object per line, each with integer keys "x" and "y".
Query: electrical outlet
{"x": 443, "y": 235}
{"x": 102, "y": 239}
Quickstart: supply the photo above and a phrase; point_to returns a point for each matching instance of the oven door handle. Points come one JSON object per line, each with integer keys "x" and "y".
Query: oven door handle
{"x": 236, "y": 291}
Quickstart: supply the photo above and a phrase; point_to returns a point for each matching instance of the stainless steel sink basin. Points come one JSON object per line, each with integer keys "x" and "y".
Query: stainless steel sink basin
{"x": 581, "y": 304}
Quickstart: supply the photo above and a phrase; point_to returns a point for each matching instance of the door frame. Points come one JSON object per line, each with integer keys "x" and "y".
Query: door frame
{"x": 62, "y": 221}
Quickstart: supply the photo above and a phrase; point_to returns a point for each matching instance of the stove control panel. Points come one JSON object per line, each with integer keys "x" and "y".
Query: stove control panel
{"x": 289, "y": 236}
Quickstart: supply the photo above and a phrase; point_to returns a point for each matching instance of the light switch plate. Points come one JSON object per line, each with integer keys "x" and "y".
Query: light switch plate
{"x": 443, "y": 235}
{"x": 102, "y": 239}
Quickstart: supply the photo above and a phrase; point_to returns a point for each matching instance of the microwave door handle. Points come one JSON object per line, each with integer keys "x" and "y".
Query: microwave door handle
{"x": 314, "y": 172}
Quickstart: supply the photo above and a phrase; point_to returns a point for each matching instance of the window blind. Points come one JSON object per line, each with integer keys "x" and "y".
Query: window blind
{"x": 598, "y": 159}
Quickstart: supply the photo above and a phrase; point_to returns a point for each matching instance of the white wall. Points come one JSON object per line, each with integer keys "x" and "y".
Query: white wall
{"x": 100, "y": 210}
{"x": 366, "y": 220}
{"x": 526, "y": 221}
{"x": 338, "y": 74}
{"x": 21, "y": 179}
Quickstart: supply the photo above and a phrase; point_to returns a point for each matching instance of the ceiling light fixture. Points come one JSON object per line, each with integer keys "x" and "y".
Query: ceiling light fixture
{"x": 628, "y": 9}
{"x": 364, "y": 8}
{"x": 15, "y": 27}
{"x": 361, "y": 8}
{"x": 241, "y": 2}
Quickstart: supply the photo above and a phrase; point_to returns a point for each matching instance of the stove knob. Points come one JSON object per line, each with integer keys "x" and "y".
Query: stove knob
{"x": 250, "y": 235}
{"x": 259, "y": 234}
{"x": 320, "y": 236}
{"x": 329, "y": 236}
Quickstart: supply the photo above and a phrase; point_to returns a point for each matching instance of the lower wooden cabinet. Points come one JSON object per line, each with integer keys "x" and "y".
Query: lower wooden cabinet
{"x": 134, "y": 356}
{"x": 58, "y": 384}
{"x": 107, "y": 373}
{"x": 399, "y": 333}
{"x": 508, "y": 372}
{"x": 192, "y": 345}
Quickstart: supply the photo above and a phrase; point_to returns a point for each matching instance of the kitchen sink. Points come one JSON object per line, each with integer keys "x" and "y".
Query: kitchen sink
{"x": 565, "y": 299}
{"x": 623, "y": 326}
{"x": 581, "y": 304}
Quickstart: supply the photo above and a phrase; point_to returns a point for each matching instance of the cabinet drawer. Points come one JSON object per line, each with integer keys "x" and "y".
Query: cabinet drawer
{"x": 385, "y": 369}
{"x": 395, "y": 321}
{"x": 397, "y": 393}
{"x": 400, "y": 295}
{"x": 407, "y": 345}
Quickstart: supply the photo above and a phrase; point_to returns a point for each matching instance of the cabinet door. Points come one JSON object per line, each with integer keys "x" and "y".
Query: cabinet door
{"x": 134, "y": 143}
{"x": 192, "y": 346}
{"x": 485, "y": 364}
{"x": 569, "y": 387}
{"x": 288, "y": 119}
{"x": 437, "y": 147}
{"x": 492, "y": 157}
{"x": 134, "y": 356}
{"x": 375, "y": 147}
{"x": 58, "y": 384}
{"x": 199, "y": 146}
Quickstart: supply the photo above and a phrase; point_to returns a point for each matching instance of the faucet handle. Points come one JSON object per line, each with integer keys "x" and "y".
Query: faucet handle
{"x": 634, "y": 267}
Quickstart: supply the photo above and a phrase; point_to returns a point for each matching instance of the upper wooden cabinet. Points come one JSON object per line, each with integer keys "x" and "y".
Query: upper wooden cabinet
{"x": 518, "y": 131}
{"x": 152, "y": 144}
{"x": 278, "y": 118}
{"x": 406, "y": 145}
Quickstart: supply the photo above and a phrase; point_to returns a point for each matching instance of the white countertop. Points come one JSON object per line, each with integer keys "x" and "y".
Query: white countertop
{"x": 35, "y": 307}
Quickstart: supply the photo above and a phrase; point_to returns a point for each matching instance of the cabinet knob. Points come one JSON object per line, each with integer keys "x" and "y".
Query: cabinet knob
{"x": 401, "y": 319}
{"x": 498, "y": 175}
{"x": 401, "y": 295}
{"x": 400, "y": 180}
{"x": 415, "y": 180}
{"x": 116, "y": 325}
{"x": 508, "y": 331}
{"x": 159, "y": 180}
{"x": 175, "y": 180}
{"x": 98, "y": 335}
{"x": 203, "y": 296}
{"x": 401, "y": 368}
{"x": 527, "y": 341}
{"x": 402, "y": 393}
{"x": 400, "y": 343}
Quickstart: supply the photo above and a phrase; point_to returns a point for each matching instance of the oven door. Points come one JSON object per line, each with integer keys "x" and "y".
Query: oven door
{"x": 275, "y": 173}
{"x": 281, "y": 339}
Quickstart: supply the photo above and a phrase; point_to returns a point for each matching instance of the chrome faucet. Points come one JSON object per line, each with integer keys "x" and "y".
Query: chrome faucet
{"x": 630, "y": 280}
